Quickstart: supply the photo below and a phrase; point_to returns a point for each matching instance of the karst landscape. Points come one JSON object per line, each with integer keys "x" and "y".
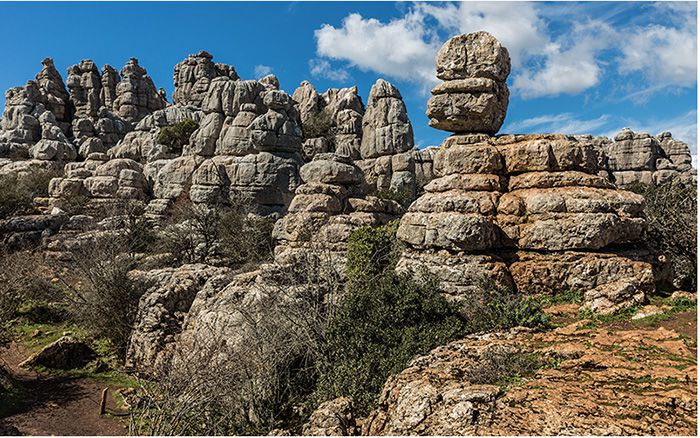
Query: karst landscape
{"x": 238, "y": 260}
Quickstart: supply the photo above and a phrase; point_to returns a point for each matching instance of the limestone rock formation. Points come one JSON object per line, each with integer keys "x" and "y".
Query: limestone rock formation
{"x": 332, "y": 418}
{"x": 163, "y": 307}
{"x": 136, "y": 95}
{"x": 104, "y": 183}
{"x": 454, "y": 390}
{"x": 53, "y": 93}
{"x": 474, "y": 96}
{"x": 64, "y": 353}
{"x": 142, "y": 145}
{"x": 642, "y": 158}
{"x": 496, "y": 200}
{"x": 328, "y": 206}
{"x": 192, "y": 78}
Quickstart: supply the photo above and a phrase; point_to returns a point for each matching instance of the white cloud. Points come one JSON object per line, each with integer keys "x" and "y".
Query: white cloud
{"x": 544, "y": 64}
{"x": 320, "y": 68}
{"x": 516, "y": 24}
{"x": 402, "y": 48}
{"x": 261, "y": 71}
{"x": 664, "y": 54}
{"x": 565, "y": 122}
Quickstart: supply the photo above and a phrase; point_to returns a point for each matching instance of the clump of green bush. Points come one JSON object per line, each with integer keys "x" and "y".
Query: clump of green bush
{"x": 177, "y": 135}
{"x": 318, "y": 125}
{"x": 387, "y": 318}
{"x": 17, "y": 192}
{"x": 404, "y": 197}
{"x": 671, "y": 212}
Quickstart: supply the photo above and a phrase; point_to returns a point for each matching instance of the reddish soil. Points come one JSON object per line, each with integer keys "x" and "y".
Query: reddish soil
{"x": 58, "y": 405}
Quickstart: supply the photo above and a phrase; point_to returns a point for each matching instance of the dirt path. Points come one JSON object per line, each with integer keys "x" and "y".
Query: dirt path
{"x": 58, "y": 405}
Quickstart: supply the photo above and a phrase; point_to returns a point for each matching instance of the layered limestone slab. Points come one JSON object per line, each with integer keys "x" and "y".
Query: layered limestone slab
{"x": 462, "y": 276}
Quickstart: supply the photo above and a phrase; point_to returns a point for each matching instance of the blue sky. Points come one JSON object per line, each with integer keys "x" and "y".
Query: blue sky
{"x": 591, "y": 67}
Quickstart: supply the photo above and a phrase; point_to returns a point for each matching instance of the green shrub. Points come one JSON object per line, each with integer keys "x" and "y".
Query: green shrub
{"x": 403, "y": 197}
{"x": 503, "y": 309}
{"x": 105, "y": 299}
{"x": 387, "y": 318}
{"x": 500, "y": 365}
{"x": 371, "y": 250}
{"x": 177, "y": 135}
{"x": 381, "y": 325}
{"x": 220, "y": 234}
{"x": 318, "y": 125}
{"x": 671, "y": 211}
{"x": 17, "y": 192}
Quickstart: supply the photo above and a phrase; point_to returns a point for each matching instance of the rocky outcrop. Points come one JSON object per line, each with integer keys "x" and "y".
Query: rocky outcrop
{"x": 163, "y": 307}
{"x": 642, "y": 158}
{"x": 192, "y": 78}
{"x": 474, "y": 96}
{"x": 537, "y": 194}
{"x": 456, "y": 389}
{"x": 331, "y": 122}
{"x": 136, "y": 95}
{"x": 53, "y": 93}
{"x": 332, "y": 418}
{"x": 328, "y": 206}
{"x": 142, "y": 145}
{"x": 99, "y": 183}
{"x": 389, "y": 162}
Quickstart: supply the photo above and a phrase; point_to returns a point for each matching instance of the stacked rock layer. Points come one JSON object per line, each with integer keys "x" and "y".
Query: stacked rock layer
{"x": 642, "y": 158}
{"x": 523, "y": 212}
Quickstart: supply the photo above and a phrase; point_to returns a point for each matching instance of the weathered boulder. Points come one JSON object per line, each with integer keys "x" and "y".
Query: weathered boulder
{"x": 457, "y": 389}
{"x": 386, "y": 129}
{"x": 162, "y": 309}
{"x": 65, "y": 353}
{"x": 136, "y": 95}
{"x": 332, "y": 418}
{"x": 474, "y": 97}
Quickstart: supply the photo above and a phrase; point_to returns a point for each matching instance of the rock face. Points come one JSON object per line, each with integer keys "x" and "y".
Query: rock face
{"x": 443, "y": 393}
{"x": 193, "y": 76}
{"x": 499, "y": 200}
{"x": 65, "y": 353}
{"x": 136, "y": 96}
{"x": 332, "y": 418}
{"x": 163, "y": 308}
{"x": 474, "y": 96}
{"x": 328, "y": 206}
{"x": 331, "y": 122}
{"x": 642, "y": 158}
{"x": 100, "y": 183}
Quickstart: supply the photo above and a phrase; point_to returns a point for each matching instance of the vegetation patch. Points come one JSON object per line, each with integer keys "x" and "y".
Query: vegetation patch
{"x": 177, "y": 135}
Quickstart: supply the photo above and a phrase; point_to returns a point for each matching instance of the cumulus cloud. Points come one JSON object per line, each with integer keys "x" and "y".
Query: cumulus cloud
{"x": 565, "y": 122}
{"x": 320, "y": 68}
{"x": 545, "y": 64}
{"x": 516, "y": 24}
{"x": 666, "y": 55}
{"x": 403, "y": 48}
{"x": 261, "y": 71}
{"x": 571, "y": 65}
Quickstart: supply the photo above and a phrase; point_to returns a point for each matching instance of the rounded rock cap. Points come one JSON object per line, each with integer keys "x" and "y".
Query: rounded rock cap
{"x": 478, "y": 54}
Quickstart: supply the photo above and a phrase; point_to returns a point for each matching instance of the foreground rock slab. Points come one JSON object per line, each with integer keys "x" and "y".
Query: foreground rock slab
{"x": 594, "y": 382}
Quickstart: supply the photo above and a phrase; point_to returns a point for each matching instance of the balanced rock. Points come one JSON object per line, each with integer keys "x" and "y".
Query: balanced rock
{"x": 474, "y": 98}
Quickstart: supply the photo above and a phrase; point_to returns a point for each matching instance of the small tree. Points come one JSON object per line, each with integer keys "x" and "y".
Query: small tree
{"x": 177, "y": 135}
{"x": 671, "y": 212}
{"x": 17, "y": 192}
